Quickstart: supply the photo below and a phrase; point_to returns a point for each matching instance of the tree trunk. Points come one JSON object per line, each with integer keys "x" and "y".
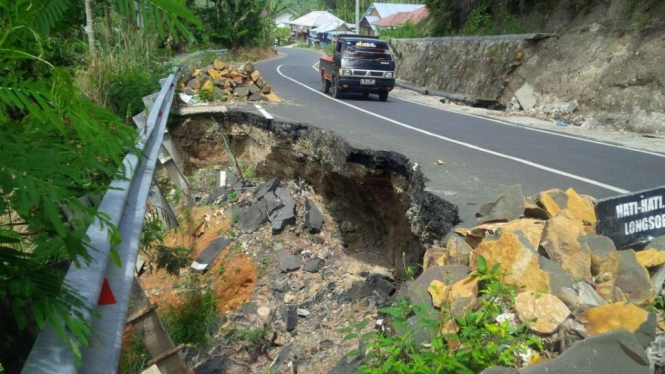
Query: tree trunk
{"x": 107, "y": 17}
{"x": 90, "y": 28}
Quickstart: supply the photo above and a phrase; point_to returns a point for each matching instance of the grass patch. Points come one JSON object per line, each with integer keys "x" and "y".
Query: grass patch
{"x": 194, "y": 321}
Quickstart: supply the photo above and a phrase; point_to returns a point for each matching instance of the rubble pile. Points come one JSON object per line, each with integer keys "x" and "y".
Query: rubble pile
{"x": 224, "y": 81}
{"x": 588, "y": 301}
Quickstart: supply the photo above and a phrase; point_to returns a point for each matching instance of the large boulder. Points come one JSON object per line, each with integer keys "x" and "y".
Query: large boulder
{"x": 509, "y": 206}
{"x": 633, "y": 279}
{"x": 618, "y": 352}
{"x": 621, "y": 316}
{"x": 555, "y": 201}
{"x": 562, "y": 244}
{"x": 543, "y": 313}
{"x": 519, "y": 261}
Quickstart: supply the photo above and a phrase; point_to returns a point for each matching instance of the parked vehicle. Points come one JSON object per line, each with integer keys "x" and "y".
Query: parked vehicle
{"x": 360, "y": 64}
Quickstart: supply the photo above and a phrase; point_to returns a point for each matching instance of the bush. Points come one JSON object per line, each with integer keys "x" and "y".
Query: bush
{"x": 194, "y": 320}
{"x": 479, "y": 23}
{"x": 480, "y": 342}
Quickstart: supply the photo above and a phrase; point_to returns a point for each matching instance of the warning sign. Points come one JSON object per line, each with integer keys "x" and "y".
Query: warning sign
{"x": 634, "y": 218}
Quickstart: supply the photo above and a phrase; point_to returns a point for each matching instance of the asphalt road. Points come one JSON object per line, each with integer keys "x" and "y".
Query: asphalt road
{"x": 481, "y": 156}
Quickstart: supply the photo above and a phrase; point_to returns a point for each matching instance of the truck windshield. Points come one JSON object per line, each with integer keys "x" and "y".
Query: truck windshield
{"x": 367, "y": 50}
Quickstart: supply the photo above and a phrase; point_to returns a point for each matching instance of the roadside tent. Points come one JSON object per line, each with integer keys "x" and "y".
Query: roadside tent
{"x": 323, "y": 32}
{"x": 377, "y": 11}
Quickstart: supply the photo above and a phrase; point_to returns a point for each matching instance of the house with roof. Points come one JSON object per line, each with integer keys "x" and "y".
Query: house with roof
{"x": 378, "y": 11}
{"x": 302, "y": 27}
{"x": 282, "y": 18}
{"x": 400, "y": 18}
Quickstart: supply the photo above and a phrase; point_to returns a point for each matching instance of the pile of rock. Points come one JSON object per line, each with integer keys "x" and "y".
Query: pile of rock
{"x": 221, "y": 82}
{"x": 573, "y": 284}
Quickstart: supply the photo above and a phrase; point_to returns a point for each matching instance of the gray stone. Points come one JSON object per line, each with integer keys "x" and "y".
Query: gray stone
{"x": 209, "y": 254}
{"x": 658, "y": 279}
{"x": 249, "y": 308}
{"x": 289, "y": 262}
{"x": 358, "y": 290}
{"x": 346, "y": 365}
{"x": 527, "y": 97}
{"x": 217, "y": 194}
{"x": 284, "y": 215}
{"x": 314, "y": 265}
{"x": 499, "y": 370}
{"x": 587, "y": 295}
{"x": 313, "y": 217}
{"x": 266, "y": 187}
{"x": 380, "y": 283}
{"x": 253, "y": 218}
{"x": 617, "y": 352}
{"x": 303, "y": 313}
{"x": 633, "y": 279}
{"x": 509, "y": 206}
{"x": 646, "y": 333}
{"x": 254, "y": 89}
{"x": 599, "y": 245}
{"x": 272, "y": 202}
{"x": 189, "y": 91}
{"x": 238, "y": 81}
{"x": 282, "y": 357}
{"x": 656, "y": 351}
{"x": 256, "y": 97}
{"x": 559, "y": 278}
{"x": 241, "y": 92}
{"x": 658, "y": 243}
{"x": 260, "y": 82}
{"x": 218, "y": 94}
{"x": 289, "y": 314}
{"x": 569, "y": 297}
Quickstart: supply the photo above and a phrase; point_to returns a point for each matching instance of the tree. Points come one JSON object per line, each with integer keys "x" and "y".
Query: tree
{"x": 55, "y": 147}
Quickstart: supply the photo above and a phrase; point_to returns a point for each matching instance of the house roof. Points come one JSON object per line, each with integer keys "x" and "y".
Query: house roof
{"x": 330, "y": 26}
{"x": 315, "y": 19}
{"x": 400, "y": 18}
{"x": 386, "y": 9}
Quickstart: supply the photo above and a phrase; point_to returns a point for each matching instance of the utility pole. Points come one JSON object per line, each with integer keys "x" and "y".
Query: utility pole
{"x": 358, "y": 17}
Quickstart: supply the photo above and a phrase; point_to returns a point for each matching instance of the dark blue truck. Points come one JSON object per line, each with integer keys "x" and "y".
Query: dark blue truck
{"x": 359, "y": 64}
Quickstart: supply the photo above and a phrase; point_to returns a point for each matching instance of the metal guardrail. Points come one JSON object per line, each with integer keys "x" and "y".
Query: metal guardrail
{"x": 125, "y": 204}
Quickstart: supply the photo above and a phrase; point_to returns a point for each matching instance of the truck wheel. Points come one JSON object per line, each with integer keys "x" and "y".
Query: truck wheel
{"x": 383, "y": 95}
{"x": 334, "y": 90}
{"x": 325, "y": 84}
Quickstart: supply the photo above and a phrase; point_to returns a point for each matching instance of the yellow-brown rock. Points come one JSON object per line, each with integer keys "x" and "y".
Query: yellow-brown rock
{"x": 604, "y": 256}
{"x": 553, "y": 201}
{"x": 255, "y": 75}
{"x": 207, "y": 86}
{"x": 432, "y": 255}
{"x": 543, "y": 313}
{"x": 561, "y": 241}
{"x": 459, "y": 297}
{"x": 224, "y": 73}
{"x": 651, "y": 257}
{"x": 272, "y": 97}
{"x": 531, "y": 228}
{"x": 606, "y": 290}
{"x": 605, "y": 318}
{"x": 236, "y": 74}
{"x": 517, "y": 258}
{"x": 214, "y": 75}
{"x": 580, "y": 207}
{"x": 218, "y": 64}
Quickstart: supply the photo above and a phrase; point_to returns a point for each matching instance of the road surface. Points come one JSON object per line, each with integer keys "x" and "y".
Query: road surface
{"x": 481, "y": 156}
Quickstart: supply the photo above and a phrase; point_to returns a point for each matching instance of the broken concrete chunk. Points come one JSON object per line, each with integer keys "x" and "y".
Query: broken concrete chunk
{"x": 633, "y": 279}
{"x": 209, "y": 254}
{"x": 561, "y": 242}
{"x": 314, "y": 265}
{"x": 313, "y": 217}
{"x": 542, "y": 313}
{"x": 527, "y": 97}
{"x": 289, "y": 262}
{"x": 509, "y": 206}
{"x": 266, "y": 187}
{"x": 285, "y": 214}
{"x": 254, "y": 217}
{"x": 617, "y": 352}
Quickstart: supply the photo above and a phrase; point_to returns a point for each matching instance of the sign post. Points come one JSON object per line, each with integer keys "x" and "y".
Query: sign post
{"x": 633, "y": 218}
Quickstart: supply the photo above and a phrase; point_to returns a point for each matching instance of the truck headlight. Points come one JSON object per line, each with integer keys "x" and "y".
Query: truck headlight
{"x": 390, "y": 74}
{"x": 345, "y": 72}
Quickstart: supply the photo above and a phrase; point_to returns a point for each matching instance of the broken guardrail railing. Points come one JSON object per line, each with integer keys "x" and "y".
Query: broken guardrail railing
{"x": 125, "y": 204}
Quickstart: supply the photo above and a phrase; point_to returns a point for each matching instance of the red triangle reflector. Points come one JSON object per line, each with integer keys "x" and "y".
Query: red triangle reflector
{"x": 106, "y": 296}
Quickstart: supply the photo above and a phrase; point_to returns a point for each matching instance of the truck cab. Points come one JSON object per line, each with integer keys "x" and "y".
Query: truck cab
{"x": 359, "y": 64}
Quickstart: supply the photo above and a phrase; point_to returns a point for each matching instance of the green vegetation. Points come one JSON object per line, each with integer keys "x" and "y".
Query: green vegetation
{"x": 465, "y": 343}
{"x": 406, "y": 31}
{"x": 152, "y": 246}
{"x": 194, "y": 321}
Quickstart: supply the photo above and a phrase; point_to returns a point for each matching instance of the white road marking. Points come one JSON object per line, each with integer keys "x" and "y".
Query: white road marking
{"x": 315, "y": 67}
{"x": 263, "y": 111}
{"x": 468, "y": 145}
{"x": 537, "y": 130}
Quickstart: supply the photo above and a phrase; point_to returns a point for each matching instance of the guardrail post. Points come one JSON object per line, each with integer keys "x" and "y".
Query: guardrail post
{"x": 145, "y": 321}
